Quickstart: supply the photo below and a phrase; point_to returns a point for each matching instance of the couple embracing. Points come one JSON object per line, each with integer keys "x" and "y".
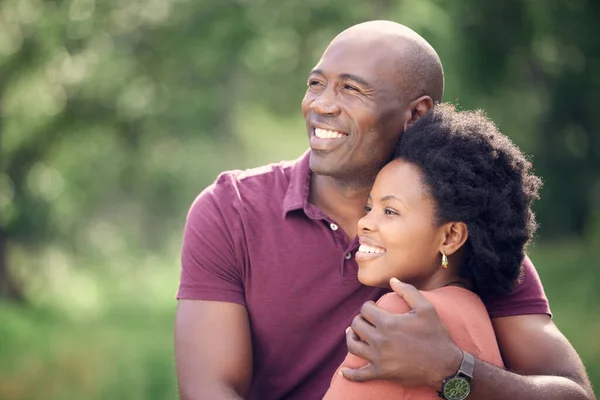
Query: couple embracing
{"x": 401, "y": 200}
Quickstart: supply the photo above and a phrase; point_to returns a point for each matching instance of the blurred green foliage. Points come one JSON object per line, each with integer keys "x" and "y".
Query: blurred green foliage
{"x": 114, "y": 114}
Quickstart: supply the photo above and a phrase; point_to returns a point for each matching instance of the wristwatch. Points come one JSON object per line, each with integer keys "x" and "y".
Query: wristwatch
{"x": 458, "y": 386}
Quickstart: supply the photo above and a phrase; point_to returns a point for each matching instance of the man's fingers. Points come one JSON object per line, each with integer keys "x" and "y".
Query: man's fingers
{"x": 362, "y": 374}
{"x": 373, "y": 314}
{"x": 410, "y": 294}
{"x": 362, "y": 328}
{"x": 357, "y": 346}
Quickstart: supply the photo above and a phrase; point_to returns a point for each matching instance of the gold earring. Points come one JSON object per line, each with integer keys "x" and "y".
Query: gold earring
{"x": 444, "y": 260}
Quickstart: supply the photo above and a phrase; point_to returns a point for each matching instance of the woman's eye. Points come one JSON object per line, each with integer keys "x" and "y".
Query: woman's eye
{"x": 390, "y": 212}
{"x": 368, "y": 208}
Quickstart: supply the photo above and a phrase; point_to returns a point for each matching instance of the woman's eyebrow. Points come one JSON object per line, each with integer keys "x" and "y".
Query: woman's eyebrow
{"x": 392, "y": 197}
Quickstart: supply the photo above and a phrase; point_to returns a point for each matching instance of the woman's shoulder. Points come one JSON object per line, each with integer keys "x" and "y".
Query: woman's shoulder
{"x": 455, "y": 306}
{"x": 463, "y": 313}
{"x": 440, "y": 298}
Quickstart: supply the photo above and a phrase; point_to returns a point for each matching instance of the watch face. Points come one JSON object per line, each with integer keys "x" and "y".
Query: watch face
{"x": 457, "y": 388}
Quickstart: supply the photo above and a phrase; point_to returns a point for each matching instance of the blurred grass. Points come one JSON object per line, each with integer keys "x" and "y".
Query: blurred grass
{"x": 126, "y": 350}
{"x": 574, "y": 301}
{"x": 124, "y": 355}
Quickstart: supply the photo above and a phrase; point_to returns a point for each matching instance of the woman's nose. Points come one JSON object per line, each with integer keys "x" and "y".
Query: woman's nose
{"x": 366, "y": 224}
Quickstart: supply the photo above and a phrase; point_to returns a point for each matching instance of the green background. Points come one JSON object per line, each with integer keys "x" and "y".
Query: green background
{"x": 115, "y": 114}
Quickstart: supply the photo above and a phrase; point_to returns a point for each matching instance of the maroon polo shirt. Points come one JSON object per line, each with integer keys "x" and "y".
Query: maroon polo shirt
{"x": 254, "y": 239}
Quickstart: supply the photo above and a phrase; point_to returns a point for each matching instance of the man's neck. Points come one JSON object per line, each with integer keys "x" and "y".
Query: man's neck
{"x": 342, "y": 201}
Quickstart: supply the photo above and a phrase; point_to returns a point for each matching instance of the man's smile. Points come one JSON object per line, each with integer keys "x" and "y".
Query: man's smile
{"x": 328, "y": 134}
{"x": 326, "y": 139}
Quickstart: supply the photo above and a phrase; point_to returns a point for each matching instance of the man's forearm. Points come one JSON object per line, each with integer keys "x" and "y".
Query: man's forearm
{"x": 493, "y": 383}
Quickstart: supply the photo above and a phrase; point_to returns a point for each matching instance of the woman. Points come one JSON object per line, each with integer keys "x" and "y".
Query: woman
{"x": 451, "y": 215}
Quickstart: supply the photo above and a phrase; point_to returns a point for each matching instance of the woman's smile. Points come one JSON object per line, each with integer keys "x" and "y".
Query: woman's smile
{"x": 368, "y": 250}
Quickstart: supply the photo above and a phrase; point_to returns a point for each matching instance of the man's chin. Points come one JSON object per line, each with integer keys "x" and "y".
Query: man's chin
{"x": 320, "y": 164}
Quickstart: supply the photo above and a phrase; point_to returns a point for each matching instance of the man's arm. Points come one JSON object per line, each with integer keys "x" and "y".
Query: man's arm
{"x": 533, "y": 346}
{"x": 213, "y": 350}
{"x": 415, "y": 349}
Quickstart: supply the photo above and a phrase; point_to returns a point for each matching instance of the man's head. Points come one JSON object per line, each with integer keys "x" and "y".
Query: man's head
{"x": 373, "y": 80}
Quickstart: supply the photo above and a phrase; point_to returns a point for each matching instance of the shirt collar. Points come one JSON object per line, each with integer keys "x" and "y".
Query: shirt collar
{"x": 296, "y": 197}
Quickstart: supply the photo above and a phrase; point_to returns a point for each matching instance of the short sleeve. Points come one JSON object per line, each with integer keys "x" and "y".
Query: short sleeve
{"x": 213, "y": 251}
{"x": 528, "y": 297}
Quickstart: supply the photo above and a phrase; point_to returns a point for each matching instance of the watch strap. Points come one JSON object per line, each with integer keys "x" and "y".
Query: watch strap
{"x": 467, "y": 366}
{"x": 466, "y": 369}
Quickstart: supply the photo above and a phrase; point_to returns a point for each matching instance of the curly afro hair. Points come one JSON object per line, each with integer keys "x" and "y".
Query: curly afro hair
{"x": 476, "y": 175}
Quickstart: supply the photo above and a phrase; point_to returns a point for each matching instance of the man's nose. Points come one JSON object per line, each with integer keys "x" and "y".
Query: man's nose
{"x": 325, "y": 103}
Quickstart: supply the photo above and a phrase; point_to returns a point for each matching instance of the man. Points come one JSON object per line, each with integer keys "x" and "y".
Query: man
{"x": 269, "y": 281}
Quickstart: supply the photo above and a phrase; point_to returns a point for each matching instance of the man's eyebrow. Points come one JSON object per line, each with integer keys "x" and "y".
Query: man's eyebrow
{"x": 356, "y": 79}
{"x": 346, "y": 76}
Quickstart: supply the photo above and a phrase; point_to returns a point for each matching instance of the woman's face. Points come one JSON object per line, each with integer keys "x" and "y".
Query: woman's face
{"x": 398, "y": 236}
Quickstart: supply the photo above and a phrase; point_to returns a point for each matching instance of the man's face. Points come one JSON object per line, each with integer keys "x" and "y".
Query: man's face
{"x": 353, "y": 110}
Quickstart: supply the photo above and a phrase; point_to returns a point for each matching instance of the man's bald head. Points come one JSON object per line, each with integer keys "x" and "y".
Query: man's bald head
{"x": 418, "y": 67}
{"x": 373, "y": 81}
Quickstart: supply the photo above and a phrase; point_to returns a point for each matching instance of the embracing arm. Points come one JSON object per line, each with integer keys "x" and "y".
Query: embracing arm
{"x": 544, "y": 364}
{"x": 213, "y": 350}
{"x": 415, "y": 349}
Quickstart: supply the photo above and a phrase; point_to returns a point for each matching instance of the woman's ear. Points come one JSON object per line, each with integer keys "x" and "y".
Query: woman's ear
{"x": 456, "y": 234}
{"x": 416, "y": 109}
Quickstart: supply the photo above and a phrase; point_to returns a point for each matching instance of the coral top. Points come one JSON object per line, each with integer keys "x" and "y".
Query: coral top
{"x": 469, "y": 325}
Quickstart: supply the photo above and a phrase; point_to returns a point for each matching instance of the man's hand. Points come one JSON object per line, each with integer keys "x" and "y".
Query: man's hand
{"x": 412, "y": 348}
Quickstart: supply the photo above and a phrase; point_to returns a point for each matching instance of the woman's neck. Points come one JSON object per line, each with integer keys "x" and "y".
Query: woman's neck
{"x": 439, "y": 280}
{"x": 443, "y": 277}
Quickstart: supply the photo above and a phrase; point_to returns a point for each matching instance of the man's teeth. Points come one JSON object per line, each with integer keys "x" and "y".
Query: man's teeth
{"x": 370, "y": 249}
{"x": 327, "y": 134}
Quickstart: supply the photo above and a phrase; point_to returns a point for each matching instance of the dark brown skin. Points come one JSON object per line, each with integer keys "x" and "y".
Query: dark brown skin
{"x": 212, "y": 339}
{"x": 350, "y": 91}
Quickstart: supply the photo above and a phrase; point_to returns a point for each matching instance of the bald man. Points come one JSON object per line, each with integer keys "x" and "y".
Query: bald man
{"x": 269, "y": 281}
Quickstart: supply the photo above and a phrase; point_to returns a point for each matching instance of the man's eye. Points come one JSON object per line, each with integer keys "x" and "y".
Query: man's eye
{"x": 313, "y": 83}
{"x": 368, "y": 208}
{"x": 350, "y": 87}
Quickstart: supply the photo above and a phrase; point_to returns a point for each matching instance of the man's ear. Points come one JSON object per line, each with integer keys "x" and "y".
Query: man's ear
{"x": 416, "y": 109}
{"x": 456, "y": 234}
